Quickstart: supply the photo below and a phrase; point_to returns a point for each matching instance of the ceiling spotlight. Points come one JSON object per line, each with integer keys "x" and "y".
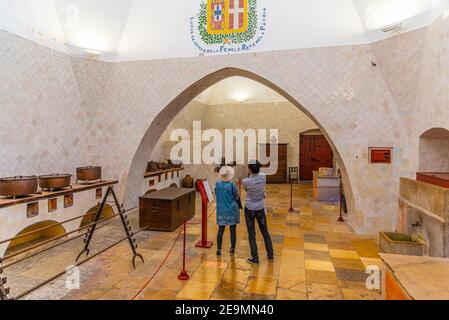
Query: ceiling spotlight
{"x": 92, "y": 54}
{"x": 392, "y": 27}
{"x": 84, "y": 52}
{"x": 240, "y": 96}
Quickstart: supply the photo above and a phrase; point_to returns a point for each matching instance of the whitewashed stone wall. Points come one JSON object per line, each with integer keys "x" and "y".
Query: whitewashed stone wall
{"x": 346, "y": 96}
{"x": 59, "y": 112}
{"x": 284, "y": 117}
{"x": 14, "y": 219}
{"x": 434, "y": 155}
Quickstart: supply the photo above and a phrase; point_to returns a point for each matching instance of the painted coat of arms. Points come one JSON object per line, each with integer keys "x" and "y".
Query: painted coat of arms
{"x": 233, "y": 25}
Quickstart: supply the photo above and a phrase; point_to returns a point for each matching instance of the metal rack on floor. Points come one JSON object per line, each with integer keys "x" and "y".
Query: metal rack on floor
{"x": 4, "y": 291}
{"x": 125, "y": 222}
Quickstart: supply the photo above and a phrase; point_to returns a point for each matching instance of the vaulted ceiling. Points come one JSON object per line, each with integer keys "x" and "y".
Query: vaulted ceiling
{"x": 155, "y": 29}
{"x": 238, "y": 90}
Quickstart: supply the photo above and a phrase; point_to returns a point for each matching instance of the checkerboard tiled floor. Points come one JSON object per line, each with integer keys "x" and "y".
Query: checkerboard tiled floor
{"x": 316, "y": 258}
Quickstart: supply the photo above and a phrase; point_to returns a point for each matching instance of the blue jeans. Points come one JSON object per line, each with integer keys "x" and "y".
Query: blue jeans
{"x": 221, "y": 230}
{"x": 251, "y": 216}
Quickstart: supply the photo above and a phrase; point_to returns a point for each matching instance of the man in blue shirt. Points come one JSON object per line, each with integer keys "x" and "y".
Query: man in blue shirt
{"x": 255, "y": 210}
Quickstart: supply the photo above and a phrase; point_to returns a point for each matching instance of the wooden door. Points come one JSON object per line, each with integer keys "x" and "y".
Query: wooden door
{"x": 315, "y": 153}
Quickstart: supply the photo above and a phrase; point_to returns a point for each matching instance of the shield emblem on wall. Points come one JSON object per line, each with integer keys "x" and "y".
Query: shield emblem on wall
{"x": 227, "y": 16}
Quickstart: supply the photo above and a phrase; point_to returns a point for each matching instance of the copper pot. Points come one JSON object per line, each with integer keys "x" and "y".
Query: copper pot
{"x": 152, "y": 166}
{"x": 55, "y": 181}
{"x": 18, "y": 186}
{"x": 88, "y": 173}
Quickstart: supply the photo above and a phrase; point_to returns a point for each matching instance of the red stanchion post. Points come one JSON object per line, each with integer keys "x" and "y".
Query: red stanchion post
{"x": 291, "y": 198}
{"x": 184, "y": 275}
{"x": 341, "y": 219}
{"x": 204, "y": 243}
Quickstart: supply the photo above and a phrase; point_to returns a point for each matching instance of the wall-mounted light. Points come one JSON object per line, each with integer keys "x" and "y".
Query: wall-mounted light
{"x": 85, "y": 53}
{"x": 92, "y": 54}
{"x": 395, "y": 27}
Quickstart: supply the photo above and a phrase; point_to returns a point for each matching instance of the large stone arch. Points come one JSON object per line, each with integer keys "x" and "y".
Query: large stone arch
{"x": 163, "y": 119}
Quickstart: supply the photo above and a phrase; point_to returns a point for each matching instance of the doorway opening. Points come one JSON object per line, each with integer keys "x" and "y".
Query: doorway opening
{"x": 434, "y": 151}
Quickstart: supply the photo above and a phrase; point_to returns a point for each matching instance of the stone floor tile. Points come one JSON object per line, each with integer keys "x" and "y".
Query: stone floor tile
{"x": 318, "y": 291}
{"x": 319, "y": 265}
{"x": 221, "y": 294}
{"x": 324, "y": 277}
{"x": 317, "y": 255}
{"x": 316, "y": 246}
{"x": 284, "y": 294}
{"x": 355, "y": 264}
{"x": 152, "y": 294}
{"x": 344, "y": 254}
{"x": 258, "y": 296}
{"x": 366, "y": 248}
{"x": 196, "y": 290}
{"x": 261, "y": 285}
{"x": 351, "y": 275}
{"x": 208, "y": 274}
{"x": 314, "y": 238}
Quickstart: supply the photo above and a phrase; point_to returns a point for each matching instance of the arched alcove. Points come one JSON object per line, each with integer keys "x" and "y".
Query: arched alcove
{"x": 33, "y": 235}
{"x": 107, "y": 212}
{"x": 163, "y": 119}
{"x": 434, "y": 150}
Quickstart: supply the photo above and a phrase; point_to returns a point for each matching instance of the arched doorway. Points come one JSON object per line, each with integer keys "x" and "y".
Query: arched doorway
{"x": 35, "y": 234}
{"x": 163, "y": 119}
{"x": 434, "y": 150}
{"x": 107, "y": 212}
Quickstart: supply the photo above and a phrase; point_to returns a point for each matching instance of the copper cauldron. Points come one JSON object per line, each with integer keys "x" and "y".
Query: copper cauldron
{"x": 55, "y": 181}
{"x": 88, "y": 174}
{"x": 18, "y": 186}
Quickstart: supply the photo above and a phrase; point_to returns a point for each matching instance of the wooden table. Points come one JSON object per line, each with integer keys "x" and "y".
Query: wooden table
{"x": 165, "y": 210}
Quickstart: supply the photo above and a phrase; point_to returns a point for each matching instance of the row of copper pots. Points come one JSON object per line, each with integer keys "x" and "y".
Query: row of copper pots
{"x": 25, "y": 185}
{"x": 158, "y": 166}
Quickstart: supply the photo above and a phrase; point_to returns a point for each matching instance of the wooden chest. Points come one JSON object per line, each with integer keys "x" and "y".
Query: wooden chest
{"x": 165, "y": 210}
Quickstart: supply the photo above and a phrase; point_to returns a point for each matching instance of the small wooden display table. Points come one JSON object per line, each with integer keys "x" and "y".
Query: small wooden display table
{"x": 165, "y": 210}
{"x": 326, "y": 189}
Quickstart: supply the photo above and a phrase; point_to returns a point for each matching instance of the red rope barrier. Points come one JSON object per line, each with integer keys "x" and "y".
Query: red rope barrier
{"x": 291, "y": 198}
{"x": 165, "y": 259}
{"x": 183, "y": 276}
{"x": 340, "y": 218}
{"x": 159, "y": 268}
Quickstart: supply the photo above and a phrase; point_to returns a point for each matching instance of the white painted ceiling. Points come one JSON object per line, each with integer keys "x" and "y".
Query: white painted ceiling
{"x": 155, "y": 29}
{"x": 238, "y": 90}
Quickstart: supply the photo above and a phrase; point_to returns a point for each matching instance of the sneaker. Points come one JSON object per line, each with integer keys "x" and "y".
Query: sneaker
{"x": 232, "y": 252}
{"x": 219, "y": 253}
{"x": 270, "y": 259}
{"x": 253, "y": 261}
